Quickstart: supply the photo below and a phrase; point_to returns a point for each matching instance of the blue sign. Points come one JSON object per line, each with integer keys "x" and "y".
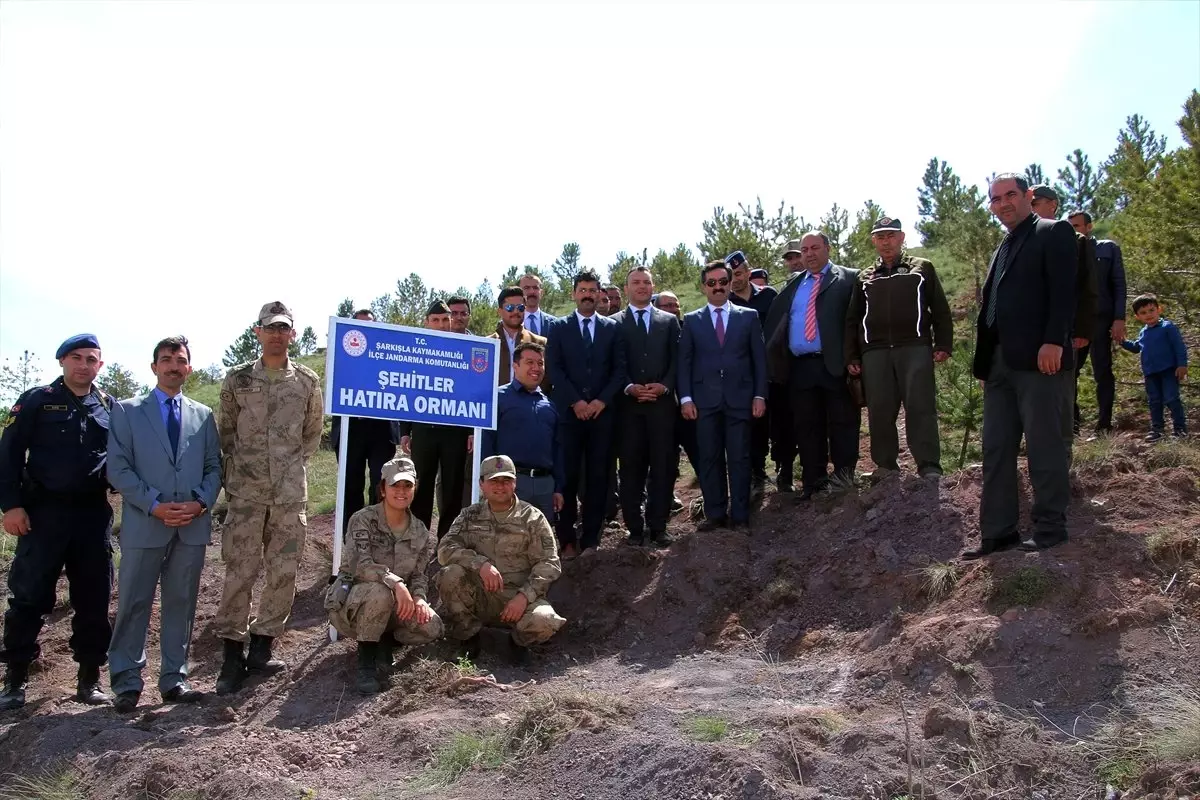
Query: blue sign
{"x": 383, "y": 371}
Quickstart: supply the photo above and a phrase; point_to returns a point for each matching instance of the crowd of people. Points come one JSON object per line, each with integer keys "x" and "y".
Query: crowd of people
{"x": 593, "y": 411}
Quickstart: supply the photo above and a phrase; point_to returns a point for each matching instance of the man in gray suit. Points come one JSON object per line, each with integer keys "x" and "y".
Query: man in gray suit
{"x": 164, "y": 458}
{"x": 808, "y": 325}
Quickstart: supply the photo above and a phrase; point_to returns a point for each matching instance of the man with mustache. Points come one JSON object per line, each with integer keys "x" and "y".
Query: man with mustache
{"x": 536, "y": 320}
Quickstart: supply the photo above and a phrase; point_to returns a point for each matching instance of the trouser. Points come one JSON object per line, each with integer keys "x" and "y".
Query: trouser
{"x": 782, "y": 427}
{"x": 257, "y": 535}
{"x": 437, "y": 447}
{"x": 826, "y": 419}
{"x": 538, "y": 492}
{"x": 365, "y": 448}
{"x": 587, "y": 445}
{"x": 370, "y": 611}
{"x": 75, "y": 538}
{"x": 467, "y": 607}
{"x": 895, "y": 376}
{"x": 1100, "y": 348}
{"x": 760, "y": 445}
{"x": 647, "y": 445}
{"x": 723, "y": 441}
{"x": 1017, "y": 402}
{"x": 177, "y": 566}
{"x": 1162, "y": 390}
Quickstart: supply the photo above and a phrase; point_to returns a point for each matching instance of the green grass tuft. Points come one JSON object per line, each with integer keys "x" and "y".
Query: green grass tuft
{"x": 706, "y": 729}
{"x": 1027, "y": 586}
{"x": 1174, "y": 453}
{"x": 65, "y": 785}
{"x": 1121, "y": 772}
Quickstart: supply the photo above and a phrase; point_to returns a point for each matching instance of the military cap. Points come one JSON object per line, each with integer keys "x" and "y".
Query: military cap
{"x": 274, "y": 312}
{"x": 497, "y": 467}
{"x": 399, "y": 469}
{"x": 75, "y": 342}
{"x": 438, "y": 307}
{"x": 759, "y": 273}
{"x": 792, "y": 247}
{"x": 886, "y": 224}
{"x": 735, "y": 259}
{"x": 1045, "y": 192}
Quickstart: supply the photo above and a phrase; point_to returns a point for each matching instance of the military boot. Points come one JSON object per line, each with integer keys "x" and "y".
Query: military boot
{"x": 368, "y": 679}
{"x": 15, "y": 679}
{"x": 233, "y": 668}
{"x": 87, "y": 688}
{"x": 259, "y": 658}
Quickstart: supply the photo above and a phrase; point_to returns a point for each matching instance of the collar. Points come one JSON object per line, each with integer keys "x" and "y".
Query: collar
{"x": 164, "y": 397}
{"x": 1023, "y": 224}
{"x": 580, "y": 317}
{"x": 882, "y": 267}
{"x": 516, "y": 386}
{"x": 381, "y": 517}
{"x": 824, "y": 271}
{"x": 636, "y": 309}
{"x": 261, "y": 368}
{"x": 724, "y": 309}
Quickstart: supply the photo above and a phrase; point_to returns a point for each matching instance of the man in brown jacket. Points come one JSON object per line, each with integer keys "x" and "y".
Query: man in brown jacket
{"x": 512, "y": 333}
{"x": 897, "y": 328}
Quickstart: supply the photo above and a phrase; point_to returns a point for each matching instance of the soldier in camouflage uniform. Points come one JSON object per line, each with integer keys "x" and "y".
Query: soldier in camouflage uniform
{"x": 269, "y": 422}
{"x": 499, "y": 558}
{"x": 380, "y": 586}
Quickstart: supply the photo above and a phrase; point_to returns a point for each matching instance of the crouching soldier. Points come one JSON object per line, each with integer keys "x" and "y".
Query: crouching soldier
{"x": 499, "y": 558}
{"x": 379, "y": 592}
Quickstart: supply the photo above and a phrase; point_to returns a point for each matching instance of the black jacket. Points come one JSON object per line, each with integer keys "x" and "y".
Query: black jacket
{"x": 649, "y": 357}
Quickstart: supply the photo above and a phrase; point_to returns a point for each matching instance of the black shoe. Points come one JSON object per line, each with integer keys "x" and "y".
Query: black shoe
{"x": 806, "y": 494}
{"x": 1037, "y": 544}
{"x": 386, "y": 656}
{"x": 635, "y": 539}
{"x": 367, "y": 681}
{"x": 472, "y": 647}
{"x": 1154, "y": 436}
{"x": 15, "y": 680}
{"x": 126, "y": 702}
{"x": 711, "y": 524}
{"x": 258, "y": 659}
{"x": 989, "y": 546}
{"x": 519, "y": 655}
{"x": 233, "y": 668}
{"x": 740, "y": 525}
{"x": 182, "y": 693}
{"x": 662, "y": 540}
{"x": 87, "y": 689}
{"x": 784, "y": 482}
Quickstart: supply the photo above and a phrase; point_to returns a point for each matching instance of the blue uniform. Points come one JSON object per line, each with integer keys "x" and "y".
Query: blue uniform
{"x": 52, "y": 464}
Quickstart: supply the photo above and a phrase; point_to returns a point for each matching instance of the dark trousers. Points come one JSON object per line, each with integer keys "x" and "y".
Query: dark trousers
{"x": 826, "y": 421}
{"x": 1017, "y": 402}
{"x": 723, "y": 440}
{"x": 79, "y": 540}
{"x": 437, "y": 447}
{"x": 760, "y": 445}
{"x": 1100, "y": 348}
{"x": 647, "y": 448}
{"x": 782, "y": 428}
{"x": 538, "y": 492}
{"x": 588, "y": 446}
{"x": 1162, "y": 391}
{"x": 365, "y": 449}
{"x": 902, "y": 376}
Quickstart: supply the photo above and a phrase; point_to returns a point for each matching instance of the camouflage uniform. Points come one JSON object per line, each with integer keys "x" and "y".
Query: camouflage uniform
{"x": 521, "y": 545}
{"x": 269, "y": 427}
{"x": 374, "y": 561}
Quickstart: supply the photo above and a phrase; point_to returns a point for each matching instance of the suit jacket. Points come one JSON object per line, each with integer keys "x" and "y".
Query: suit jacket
{"x": 1036, "y": 300}
{"x": 579, "y": 372}
{"x": 506, "y": 357}
{"x": 833, "y": 301}
{"x": 142, "y": 468}
{"x": 544, "y": 320}
{"x": 731, "y": 375}
{"x": 649, "y": 357}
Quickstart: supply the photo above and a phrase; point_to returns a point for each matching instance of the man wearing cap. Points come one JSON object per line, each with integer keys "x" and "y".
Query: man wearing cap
{"x": 536, "y": 320}
{"x": 269, "y": 421}
{"x": 746, "y": 294}
{"x": 381, "y": 584}
{"x": 54, "y": 495}
{"x": 897, "y": 327}
{"x": 760, "y": 278}
{"x": 499, "y": 560}
{"x": 1109, "y": 325}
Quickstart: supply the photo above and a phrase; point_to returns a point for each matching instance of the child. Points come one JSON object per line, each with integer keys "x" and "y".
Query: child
{"x": 1164, "y": 363}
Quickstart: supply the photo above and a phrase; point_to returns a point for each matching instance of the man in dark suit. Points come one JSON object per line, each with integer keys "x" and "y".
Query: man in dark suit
{"x": 722, "y": 379}
{"x": 808, "y": 324}
{"x": 746, "y": 294}
{"x": 1023, "y": 354}
{"x": 587, "y": 370}
{"x": 647, "y": 410}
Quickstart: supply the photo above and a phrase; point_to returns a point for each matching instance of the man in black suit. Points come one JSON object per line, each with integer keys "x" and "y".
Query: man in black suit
{"x": 746, "y": 294}
{"x": 722, "y": 380}
{"x": 647, "y": 409}
{"x": 1023, "y": 353}
{"x": 587, "y": 369}
{"x": 808, "y": 324}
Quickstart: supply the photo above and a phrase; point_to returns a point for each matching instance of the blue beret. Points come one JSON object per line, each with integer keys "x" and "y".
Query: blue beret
{"x": 75, "y": 342}
{"x": 736, "y": 258}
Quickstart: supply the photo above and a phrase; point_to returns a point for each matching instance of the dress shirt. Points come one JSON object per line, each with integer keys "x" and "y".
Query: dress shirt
{"x": 579, "y": 318}
{"x": 167, "y": 405}
{"x": 539, "y": 319}
{"x": 645, "y": 324}
{"x": 796, "y": 341}
{"x": 512, "y": 342}
{"x": 526, "y": 431}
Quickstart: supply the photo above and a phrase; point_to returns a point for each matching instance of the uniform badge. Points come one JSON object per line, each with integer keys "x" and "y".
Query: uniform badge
{"x": 902, "y": 270}
{"x": 885, "y": 221}
{"x": 243, "y": 380}
{"x": 479, "y": 359}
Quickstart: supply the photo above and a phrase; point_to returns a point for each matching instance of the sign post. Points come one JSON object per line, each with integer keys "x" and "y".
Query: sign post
{"x": 397, "y": 373}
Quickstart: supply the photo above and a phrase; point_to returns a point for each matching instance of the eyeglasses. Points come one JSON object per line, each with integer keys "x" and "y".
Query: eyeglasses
{"x": 460, "y": 314}
{"x": 711, "y": 282}
{"x": 511, "y": 307}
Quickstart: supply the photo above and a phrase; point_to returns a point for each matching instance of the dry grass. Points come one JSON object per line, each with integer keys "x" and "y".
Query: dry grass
{"x": 1170, "y": 716}
{"x": 1173, "y": 453}
{"x": 1103, "y": 451}
{"x": 939, "y": 580}
{"x": 64, "y": 785}
{"x": 1172, "y": 545}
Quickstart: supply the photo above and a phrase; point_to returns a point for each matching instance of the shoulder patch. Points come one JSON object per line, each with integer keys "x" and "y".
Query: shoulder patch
{"x": 303, "y": 370}
{"x": 242, "y": 380}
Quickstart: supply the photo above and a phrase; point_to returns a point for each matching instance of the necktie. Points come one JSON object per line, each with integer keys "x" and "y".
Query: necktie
{"x": 642, "y": 320}
{"x": 531, "y": 323}
{"x": 172, "y": 426}
{"x": 1001, "y": 266}
{"x": 720, "y": 325}
{"x": 587, "y": 331}
{"x": 810, "y": 313}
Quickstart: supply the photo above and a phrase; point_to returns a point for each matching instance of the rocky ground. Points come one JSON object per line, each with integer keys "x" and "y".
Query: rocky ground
{"x": 838, "y": 650}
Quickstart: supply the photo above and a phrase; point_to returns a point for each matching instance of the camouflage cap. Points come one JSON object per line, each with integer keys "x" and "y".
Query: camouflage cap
{"x": 399, "y": 469}
{"x": 497, "y": 467}
{"x": 791, "y": 247}
{"x": 1045, "y": 192}
{"x": 274, "y": 312}
{"x": 886, "y": 224}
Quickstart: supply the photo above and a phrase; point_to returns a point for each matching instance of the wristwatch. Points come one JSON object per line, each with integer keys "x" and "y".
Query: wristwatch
{"x": 200, "y": 500}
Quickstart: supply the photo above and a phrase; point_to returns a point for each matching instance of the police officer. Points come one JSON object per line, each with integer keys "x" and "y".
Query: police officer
{"x": 380, "y": 587}
{"x": 56, "y": 501}
{"x": 499, "y": 558}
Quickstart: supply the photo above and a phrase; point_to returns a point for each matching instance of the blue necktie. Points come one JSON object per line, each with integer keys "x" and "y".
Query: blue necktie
{"x": 587, "y": 331}
{"x": 172, "y": 426}
{"x": 532, "y": 320}
{"x": 642, "y": 320}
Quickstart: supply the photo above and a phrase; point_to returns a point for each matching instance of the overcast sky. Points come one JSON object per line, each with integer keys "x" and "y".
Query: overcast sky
{"x": 169, "y": 167}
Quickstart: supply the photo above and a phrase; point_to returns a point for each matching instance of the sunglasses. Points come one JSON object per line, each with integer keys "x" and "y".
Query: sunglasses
{"x": 279, "y": 327}
{"x": 711, "y": 282}
{"x": 511, "y": 307}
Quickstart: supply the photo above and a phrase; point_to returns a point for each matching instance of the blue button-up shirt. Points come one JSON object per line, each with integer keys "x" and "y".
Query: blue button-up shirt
{"x": 164, "y": 405}
{"x": 526, "y": 431}
{"x": 796, "y": 341}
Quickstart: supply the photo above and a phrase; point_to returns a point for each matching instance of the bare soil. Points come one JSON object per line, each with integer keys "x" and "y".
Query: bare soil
{"x": 809, "y": 650}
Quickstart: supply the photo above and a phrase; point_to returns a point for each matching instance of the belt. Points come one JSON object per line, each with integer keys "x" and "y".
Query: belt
{"x": 531, "y": 472}
{"x": 809, "y": 355}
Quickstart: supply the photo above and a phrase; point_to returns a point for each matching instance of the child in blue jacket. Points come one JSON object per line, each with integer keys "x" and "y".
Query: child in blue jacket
{"x": 1164, "y": 363}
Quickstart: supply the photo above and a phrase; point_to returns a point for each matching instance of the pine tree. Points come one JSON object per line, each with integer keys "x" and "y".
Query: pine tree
{"x": 119, "y": 383}
{"x": 308, "y": 342}
{"x": 859, "y": 251}
{"x": 1132, "y": 166}
{"x": 1078, "y": 183}
{"x": 940, "y": 198}
{"x": 1035, "y": 175}
{"x": 834, "y": 224}
{"x": 244, "y": 348}
{"x": 346, "y": 309}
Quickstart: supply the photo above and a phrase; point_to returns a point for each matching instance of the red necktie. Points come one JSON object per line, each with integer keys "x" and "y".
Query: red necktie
{"x": 810, "y": 314}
